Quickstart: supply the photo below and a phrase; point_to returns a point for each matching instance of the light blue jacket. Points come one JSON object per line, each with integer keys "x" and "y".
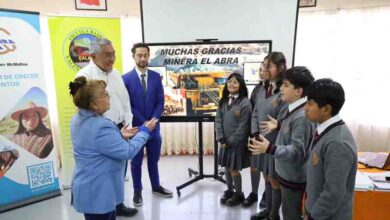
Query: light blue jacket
{"x": 100, "y": 153}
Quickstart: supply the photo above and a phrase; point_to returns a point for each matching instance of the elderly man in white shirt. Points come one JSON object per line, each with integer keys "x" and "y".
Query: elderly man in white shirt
{"x": 101, "y": 68}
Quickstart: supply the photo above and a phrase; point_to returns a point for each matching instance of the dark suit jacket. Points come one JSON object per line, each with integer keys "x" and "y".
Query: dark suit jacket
{"x": 145, "y": 107}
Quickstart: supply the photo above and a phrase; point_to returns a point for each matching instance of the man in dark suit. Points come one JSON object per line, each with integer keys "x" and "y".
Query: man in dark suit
{"x": 147, "y": 102}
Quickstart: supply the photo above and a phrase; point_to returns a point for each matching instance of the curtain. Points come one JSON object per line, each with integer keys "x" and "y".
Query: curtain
{"x": 182, "y": 138}
{"x": 352, "y": 47}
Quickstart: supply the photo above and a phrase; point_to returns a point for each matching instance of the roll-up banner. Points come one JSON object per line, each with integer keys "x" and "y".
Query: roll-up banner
{"x": 27, "y": 152}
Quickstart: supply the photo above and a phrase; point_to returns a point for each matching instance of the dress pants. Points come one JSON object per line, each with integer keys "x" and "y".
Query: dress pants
{"x": 106, "y": 216}
{"x": 153, "y": 151}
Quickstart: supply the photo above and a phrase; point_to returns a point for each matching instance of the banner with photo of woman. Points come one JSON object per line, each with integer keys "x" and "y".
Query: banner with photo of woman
{"x": 27, "y": 152}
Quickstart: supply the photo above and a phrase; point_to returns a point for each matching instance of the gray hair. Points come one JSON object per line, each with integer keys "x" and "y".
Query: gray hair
{"x": 96, "y": 45}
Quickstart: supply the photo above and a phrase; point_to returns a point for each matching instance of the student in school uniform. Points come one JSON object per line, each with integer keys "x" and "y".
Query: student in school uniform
{"x": 264, "y": 78}
{"x": 332, "y": 165}
{"x": 268, "y": 104}
{"x": 232, "y": 127}
{"x": 291, "y": 148}
{"x": 255, "y": 174}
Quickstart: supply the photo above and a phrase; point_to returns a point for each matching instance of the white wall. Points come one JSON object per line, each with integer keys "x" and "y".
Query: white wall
{"x": 187, "y": 20}
{"x": 115, "y": 8}
{"x": 351, "y": 46}
{"x": 326, "y": 5}
{"x": 131, "y": 34}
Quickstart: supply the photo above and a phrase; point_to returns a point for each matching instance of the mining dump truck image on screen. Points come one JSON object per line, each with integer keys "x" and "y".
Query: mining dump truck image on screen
{"x": 194, "y": 74}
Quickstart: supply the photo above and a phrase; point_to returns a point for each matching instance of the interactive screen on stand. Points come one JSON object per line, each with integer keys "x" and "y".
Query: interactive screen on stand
{"x": 194, "y": 74}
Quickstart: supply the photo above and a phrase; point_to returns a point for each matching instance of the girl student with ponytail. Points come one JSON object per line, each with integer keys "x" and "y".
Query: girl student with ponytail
{"x": 255, "y": 174}
{"x": 269, "y": 103}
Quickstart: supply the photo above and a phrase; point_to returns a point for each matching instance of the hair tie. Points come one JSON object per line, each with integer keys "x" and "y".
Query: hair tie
{"x": 73, "y": 87}
{"x": 76, "y": 84}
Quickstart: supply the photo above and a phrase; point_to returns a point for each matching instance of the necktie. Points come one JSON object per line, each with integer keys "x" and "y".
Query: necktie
{"x": 231, "y": 100}
{"x": 269, "y": 91}
{"x": 143, "y": 82}
{"x": 316, "y": 136}
{"x": 315, "y": 139}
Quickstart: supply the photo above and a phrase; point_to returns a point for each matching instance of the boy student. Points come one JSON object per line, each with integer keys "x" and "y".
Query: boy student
{"x": 292, "y": 143}
{"x": 332, "y": 163}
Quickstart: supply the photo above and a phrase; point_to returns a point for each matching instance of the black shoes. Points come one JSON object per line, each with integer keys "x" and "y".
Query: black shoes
{"x": 231, "y": 198}
{"x": 161, "y": 191}
{"x": 226, "y": 196}
{"x": 250, "y": 200}
{"x": 263, "y": 203}
{"x": 236, "y": 199}
{"x": 263, "y": 214}
{"x": 137, "y": 199}
{"x": 122, "y": 210}
{"x": 277, "y": 217}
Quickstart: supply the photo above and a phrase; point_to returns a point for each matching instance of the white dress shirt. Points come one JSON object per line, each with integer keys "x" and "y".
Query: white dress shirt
{"x": 297, "y": 103}
{"x": 324, "y": 125}
{"x": 140, "y": 77}
{"x": 273, "y": 83}
{"x": 120, "y": 111}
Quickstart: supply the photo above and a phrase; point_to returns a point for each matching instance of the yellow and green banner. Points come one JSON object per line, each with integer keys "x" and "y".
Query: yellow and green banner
{"x": 70, "y": 41}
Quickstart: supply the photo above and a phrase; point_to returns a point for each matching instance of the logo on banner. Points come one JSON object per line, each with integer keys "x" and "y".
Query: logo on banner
{"x": 76, "y": 49}
{"x": 7, "y": 45}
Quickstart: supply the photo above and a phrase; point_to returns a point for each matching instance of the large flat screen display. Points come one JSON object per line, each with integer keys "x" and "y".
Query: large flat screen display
{"x": 194, "y": 74}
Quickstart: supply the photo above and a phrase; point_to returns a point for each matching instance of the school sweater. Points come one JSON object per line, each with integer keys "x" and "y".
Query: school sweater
{"x": 291, "y": 148}
{"x": 331, "y": 171}
{"x": 255, "y": 93}
{"x": 232, "y": 122}
{"x": 272, "y": 106}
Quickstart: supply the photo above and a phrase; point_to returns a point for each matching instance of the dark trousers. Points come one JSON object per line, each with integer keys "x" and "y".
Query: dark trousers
{"x": 106, "y": 216}
{"x": 292, "y": 203}
{"x": 121, "y": 205}
{"x": 153, "y": 151}
{"x": 120, "y": 126}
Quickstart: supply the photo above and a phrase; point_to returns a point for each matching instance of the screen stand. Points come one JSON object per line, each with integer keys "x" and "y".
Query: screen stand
{"x": 198, "y": 175}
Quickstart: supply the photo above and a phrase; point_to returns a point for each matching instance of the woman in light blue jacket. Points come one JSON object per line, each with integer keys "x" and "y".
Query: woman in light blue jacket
{"x": 100, "y": 151}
